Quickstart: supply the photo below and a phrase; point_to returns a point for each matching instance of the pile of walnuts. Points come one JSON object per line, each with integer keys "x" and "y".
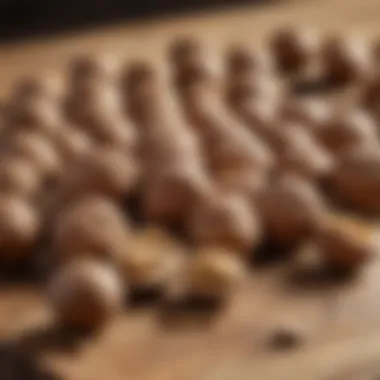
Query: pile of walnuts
{"x": 132, "y": 179}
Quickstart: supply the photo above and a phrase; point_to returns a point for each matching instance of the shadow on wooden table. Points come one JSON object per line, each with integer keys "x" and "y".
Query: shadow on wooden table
{"x": 53, "y": 338}
{"x": 317, "y": 278}
{"x": 189, "y": 312}
{"x": 16, "y": 364}
{"x": 23, "y": 273}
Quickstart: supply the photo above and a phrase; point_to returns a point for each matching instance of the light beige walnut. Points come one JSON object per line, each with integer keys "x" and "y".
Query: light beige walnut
{"x": 87, "y": 70}
{"x": 290, "y": 208}
{"x": 39, "y": 150}
{"x": 36, "y": 115}
{"x": 215, "y": 272}
{"x": 345, "y": 131}
{"x": 226, "y": 220}
{"x": 152, "y": 258}
{"x": 170, "y": 194}
{"x": 346, "y": 243}
{"x": 86, "y": 294}
{"x": 91, "y": 224}
{"x": 356, "y": 183}
{"x": 292, "y": 49}
{"x": 344, "y": 60}
{"x": 107, "y": 171}
{"x": 20, "y": 176}
{"x": 19, "y": 227}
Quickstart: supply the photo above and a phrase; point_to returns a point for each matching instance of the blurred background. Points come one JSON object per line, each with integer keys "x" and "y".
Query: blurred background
{"x": 29, "y": 18}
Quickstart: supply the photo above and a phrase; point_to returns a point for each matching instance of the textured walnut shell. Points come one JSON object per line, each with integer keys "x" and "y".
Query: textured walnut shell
{"x": 20, "y": 176}
{"x": 262, "y": 118}
{"x": 151, "y": 259}
{"x": 241, "y": 59}
{"x": 89, "y": 70}
{"x": 343, "y": 60}
{"x": 115, "y": 132}
{"x": 92, "y": 109}
{"x": 107, "y": 171}
{"x": 246, "y": 88}
{"x": 308, "y": 112}
{"x": 37, "y": 149}
{"x": 226, "y": 139}
{"x": 192, "y": 65}
{"x": 345, "y": 243}
{"x": 36, "y": 115}
{"x": 369, "y": 94}
{"x": 139, "y": 85}
{"x": 375, "y": 49}
{"x": 342, "y": 132}
{"x": 19, "y": 227}
{"x": 290, "y": 209}
{"x": 215, "y": 272}
{"x": 226, "y": 220}
{"x": 137, "y": 74}
{"x": 239, "y": 153}
{"x": 160, "y": 148}
{"x": 169, "y": 195}
{"x": 355, "y": 181}
{"x": 185, "y": 52}
{"x": 86, "y": 294}
{"x": 36, "y": 87}
{"x": 301, "y": 153}
{"x": 91, "y": 224}
{"x": 204, "y": 75}
{"x": 73, "y": 144}
{"x": 292, "y": 49}
{"x": 244, "y": 181}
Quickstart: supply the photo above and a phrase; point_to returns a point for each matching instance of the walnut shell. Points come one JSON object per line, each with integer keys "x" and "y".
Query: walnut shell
{"x": 245, "y": 89}
{"x": 169, "y": 195}
{"x": 291, "y": 209}
{"x": 39, "y": 150}
{"x": 91, "y": 224}
{"x": 301, "y": 153}
{"x": 139, "y": 85}
{"x": 308, "y": 112}
{"x": 86, "y": 294}
{"x": 88, "y": 70}
{"x": 20, "y": 176}
{"x": 345, "y": 243}
{"x": 241, "y": 59}
{"x": 107, "y": 171}
{"x": 226, "y": 220}
{"x": 92, "y": 110}
{"x": 292, "y": 49}
{"x": 193, "y": 67}
{"x": 36, "y": 115}
{"x": 43, "y": 86}
{"x": 342, "y": 132}
{"x": 262, "y": 118}
{"x": 355, "y": 181}
{"x": 19, "y": 227}
{"x": 215, "y": 272}
{"x": 344, "y": 60}
{"x": 185, "y": 51}
{"x": 73, "y": 144}
{"x": 243, "y": 181}
{"x": 151, "y": 259}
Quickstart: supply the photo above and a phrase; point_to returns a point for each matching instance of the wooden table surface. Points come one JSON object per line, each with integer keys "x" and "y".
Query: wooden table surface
{"x": 149, "y": 39}
{"x": 341, "y": 321}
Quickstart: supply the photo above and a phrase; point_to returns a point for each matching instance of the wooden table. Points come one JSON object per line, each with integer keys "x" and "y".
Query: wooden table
{"x": 341, "y": 321}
